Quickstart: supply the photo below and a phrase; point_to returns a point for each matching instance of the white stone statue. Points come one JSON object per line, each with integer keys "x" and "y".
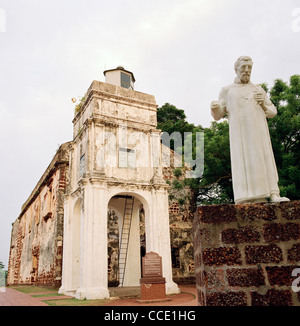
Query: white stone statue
{"x": 254, "y": 172}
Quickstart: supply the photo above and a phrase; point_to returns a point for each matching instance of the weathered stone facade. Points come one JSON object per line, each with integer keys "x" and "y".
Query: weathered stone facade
{"x": 28, "y": 240}
{"x": 76, "y": 183}
{"x": 37, "y": 235}
{"x": 181, "y": 210}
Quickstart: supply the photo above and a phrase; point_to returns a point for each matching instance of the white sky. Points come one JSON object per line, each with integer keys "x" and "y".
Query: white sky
{"x": 181, "y": 51}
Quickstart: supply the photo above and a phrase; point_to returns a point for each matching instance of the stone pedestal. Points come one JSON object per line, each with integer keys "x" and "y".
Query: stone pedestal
{"x": 153, "y": 289}
{"x": 247, "y": 255}
{"x": 153, "y": 284}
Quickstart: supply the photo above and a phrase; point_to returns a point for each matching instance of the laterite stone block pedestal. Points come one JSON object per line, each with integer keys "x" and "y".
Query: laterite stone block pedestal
{"x": 153, "y": 284}
{"x": 153, "y": 290}
{"x": 245, "y": 255}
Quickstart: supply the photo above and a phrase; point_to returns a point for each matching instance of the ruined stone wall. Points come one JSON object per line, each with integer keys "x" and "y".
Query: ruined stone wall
{"x": 113, "y": 248}
{"x": 245, "y": 254}
{"x": 181, "y": 210}
{"x": 37, "y": 234}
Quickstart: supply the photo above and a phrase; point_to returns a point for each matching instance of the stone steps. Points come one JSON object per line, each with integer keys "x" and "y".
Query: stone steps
{"x": 131, "y": 291}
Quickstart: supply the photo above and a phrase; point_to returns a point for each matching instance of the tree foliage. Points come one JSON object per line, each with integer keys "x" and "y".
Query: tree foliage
{"x": 173, "y": 120}
{"x": 3, "y": 275}
{"x": 170, "y": 119}
{"x": 215, "y": 187}
{"x": 285, "y": 135}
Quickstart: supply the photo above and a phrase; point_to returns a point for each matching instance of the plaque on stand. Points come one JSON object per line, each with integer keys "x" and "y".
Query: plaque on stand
{"x": 153, "y": 284}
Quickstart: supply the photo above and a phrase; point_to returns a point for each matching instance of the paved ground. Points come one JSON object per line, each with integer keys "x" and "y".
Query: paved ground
{"x": 13, "y": 297}
{"x": 187, "y": 297}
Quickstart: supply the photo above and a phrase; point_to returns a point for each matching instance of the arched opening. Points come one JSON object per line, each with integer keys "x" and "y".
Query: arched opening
{"x": 126, "y": 239}
{"x": 76, "y": 245}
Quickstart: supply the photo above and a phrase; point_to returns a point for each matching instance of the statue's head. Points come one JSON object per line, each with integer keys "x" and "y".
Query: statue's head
{"x": 243, "y": 68}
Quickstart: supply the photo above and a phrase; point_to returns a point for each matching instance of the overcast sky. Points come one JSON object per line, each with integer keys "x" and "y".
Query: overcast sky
{"x": 181, "y": 51}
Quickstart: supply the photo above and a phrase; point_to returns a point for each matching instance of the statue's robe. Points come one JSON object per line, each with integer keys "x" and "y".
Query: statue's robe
{"x": 254, "y": 172}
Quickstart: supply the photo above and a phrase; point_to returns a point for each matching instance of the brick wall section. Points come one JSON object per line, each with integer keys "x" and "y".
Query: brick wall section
{"x": 37, "y": 234}
{"x": 245, "y": 254}
{"x": 153, "y": 292}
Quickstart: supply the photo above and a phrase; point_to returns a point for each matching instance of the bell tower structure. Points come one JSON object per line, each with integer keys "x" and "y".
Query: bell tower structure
{"x": 115, "y": 163}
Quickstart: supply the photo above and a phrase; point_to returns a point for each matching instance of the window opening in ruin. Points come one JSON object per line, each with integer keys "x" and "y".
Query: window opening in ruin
{"x": 175, "y": 257}
{"x": 34, "y": 268}
{"x": 48, "y": 202}
{"x": 143, "y": 254}
{"x": 81, "y": 165}
{"x": 126, "y": 81}
{"x": 127, "y": 158}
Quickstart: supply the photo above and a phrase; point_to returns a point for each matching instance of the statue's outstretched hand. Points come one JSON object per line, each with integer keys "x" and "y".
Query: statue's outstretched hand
{"x": 260, "y": 99}
{"x": 215, "y": 106}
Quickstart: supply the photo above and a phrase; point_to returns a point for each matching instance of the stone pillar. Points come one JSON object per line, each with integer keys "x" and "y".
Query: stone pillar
{"x": 93, "y": 260}
{"x": 245, "y": 254}
{"x": 66, "y": 286}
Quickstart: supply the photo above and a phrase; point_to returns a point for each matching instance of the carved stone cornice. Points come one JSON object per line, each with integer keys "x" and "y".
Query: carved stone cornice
{"x": 111, "y": 122}
{"x": 104, "y": 91}
{"x": 109, "y": 182}
{"x": 76, "y": 193}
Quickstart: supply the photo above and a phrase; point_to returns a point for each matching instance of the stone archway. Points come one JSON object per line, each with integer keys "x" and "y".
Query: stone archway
{"x": 132, "y": 269}
{"x": 93, "y": 209}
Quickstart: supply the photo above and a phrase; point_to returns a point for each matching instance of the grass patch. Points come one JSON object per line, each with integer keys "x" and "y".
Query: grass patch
{"x": 47, "y": 295}
{"x": 190, "y": 294}
{"x": 75, "y": 302}
{"x": 32, "y": 289}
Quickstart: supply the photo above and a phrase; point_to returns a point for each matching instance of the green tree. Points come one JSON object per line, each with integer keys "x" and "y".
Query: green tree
{"x": 3, "y": 275}
{"x": 215, "y": 187}
{"x": 171, "y": 119}
{"x": 285, "y": 135}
